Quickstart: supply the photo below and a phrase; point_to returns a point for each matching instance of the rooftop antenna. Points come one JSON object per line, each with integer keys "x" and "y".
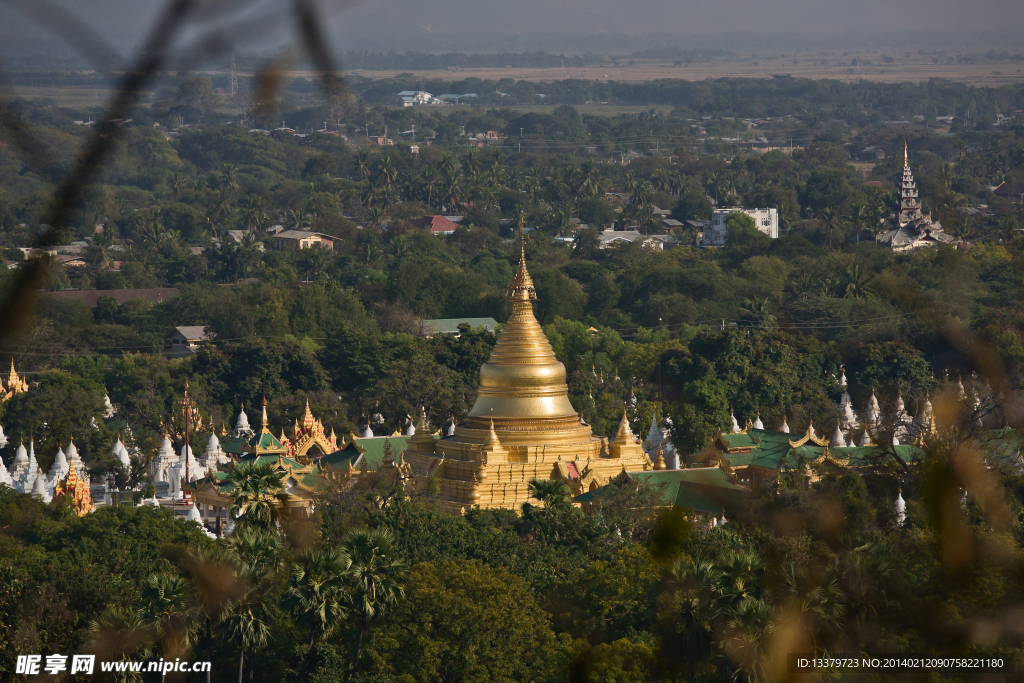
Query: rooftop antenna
{"x": 234, "y": 76}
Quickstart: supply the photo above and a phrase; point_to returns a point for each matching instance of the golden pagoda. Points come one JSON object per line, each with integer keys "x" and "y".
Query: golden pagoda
{"x": 521, "y": 427}
{"x": 76, "y": 491}
{"x": 13, "y": 385}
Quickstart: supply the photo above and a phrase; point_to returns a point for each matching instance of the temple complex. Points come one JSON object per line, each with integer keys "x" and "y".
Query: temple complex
{"x": 12, "y": 385}
{"x": 521, "y": 427}
{"x": 911, "y": 229}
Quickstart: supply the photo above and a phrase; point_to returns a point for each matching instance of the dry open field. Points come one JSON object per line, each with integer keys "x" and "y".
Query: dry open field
{"x": 913, "y": 70}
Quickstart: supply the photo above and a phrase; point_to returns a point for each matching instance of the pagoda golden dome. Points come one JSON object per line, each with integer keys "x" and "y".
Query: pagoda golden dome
{"x": 522, "y": 426}
{"x": 522, "y": 385}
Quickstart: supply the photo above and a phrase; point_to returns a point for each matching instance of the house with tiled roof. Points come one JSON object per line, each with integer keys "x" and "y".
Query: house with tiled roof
{"x": 438, "y": 225}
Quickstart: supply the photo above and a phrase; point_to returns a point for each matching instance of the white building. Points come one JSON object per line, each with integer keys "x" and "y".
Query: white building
{"x": 766, "y": 220}
{"x": 412, "y": 98}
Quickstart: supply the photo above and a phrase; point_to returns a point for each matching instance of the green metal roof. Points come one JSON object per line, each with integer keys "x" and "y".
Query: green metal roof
{"x": 771, "y": 450}
{"x": 703, "y": 489}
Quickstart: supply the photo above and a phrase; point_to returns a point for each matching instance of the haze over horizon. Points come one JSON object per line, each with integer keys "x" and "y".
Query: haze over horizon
{"x": 573, "y": 26}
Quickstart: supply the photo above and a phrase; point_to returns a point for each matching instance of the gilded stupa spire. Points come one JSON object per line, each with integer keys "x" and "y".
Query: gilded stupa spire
{"x": 906, "y": 159}
{"x": 522, "y": 288}
{"x": 523, "y": 381}
{"x": 624, "y": 430}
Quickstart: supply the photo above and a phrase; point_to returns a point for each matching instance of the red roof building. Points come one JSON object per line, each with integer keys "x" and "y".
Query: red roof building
{"x": 439, "y": 225}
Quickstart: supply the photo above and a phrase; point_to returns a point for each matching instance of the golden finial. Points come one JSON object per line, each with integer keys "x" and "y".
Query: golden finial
{"x": 906, "y": 162}
{"x": 522, "y": 288}
{"x": 659, "y": 462}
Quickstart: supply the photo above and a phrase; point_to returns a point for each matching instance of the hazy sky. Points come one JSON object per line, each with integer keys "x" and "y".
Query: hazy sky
{"x": 575, "y": 25}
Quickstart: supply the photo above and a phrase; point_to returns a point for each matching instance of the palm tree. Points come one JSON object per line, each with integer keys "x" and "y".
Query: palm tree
{"x": 99, "y": 251}
{"x": 168, "y": 609}
{"x": 374, "y": 575}
{"x": 363, "y": 167}
{"x": 375, "y": 217}
{"x": 317, "y": 260}
{"x": 684, "y": 611}
{"x": 253, "y": 215}
{"x": 294, "y": 219}
{"x": 470, "y": 162}
{"x": 255, "y": 556}
{"x": 756, "y": 309}
{"x": 317, "y": 595}
{"x": 230, "y": 177}
{"x": 589, "y": 180}
{"x": 562, "y": 224}
{"x": 177, "y": 185}
{"x": 448, "y": 166}
{"x": 819, "y": 601}
{"x": 553, "y": 493}
{"x": 830, "y": 220}
{"x": 859, "y": 282}
{"x": 121, "y": 635}
{"x": 428, "y": 177}
{"x": 258, "y": 493}
{"x": 858, "y": 215}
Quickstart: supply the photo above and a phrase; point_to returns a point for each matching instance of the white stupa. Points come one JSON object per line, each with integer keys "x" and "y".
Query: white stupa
{"x": 895, "y": 440}
{"x": 865, "y": 438}
{"x": 20, "y": 462}
{"x": 108, "y": 407}
{"x": 924, "y": 417}
{"x": 177, "y": 471}
{"x": 900, "y": 508}
{"x": 40, "y": 489}
{"x": 849, "y": 441}
{"x": 838, "y": 440}
{"x": 784, "y": 428}
{"x": 214, "y": 455}
{"x": 848, "y": 417}
{"x": 28, "y": 478}
{"x": 76, "y": 459}
{"x": 3, "y": 437}
{"x": 735, "y": 425}
{"x": 653, "y": 434}
{"x": 242, "y": 428}
{"x": 367, "y": 432}
{"x": 873, "y": 415}
{"x": 410, "y": 428}
{"x": 161, "y": 464}
{"x": 59, "y": 469}
{"x": 757, "y": 421}
{"x": 5, "y": 476}
{"x": 842, "y": 377}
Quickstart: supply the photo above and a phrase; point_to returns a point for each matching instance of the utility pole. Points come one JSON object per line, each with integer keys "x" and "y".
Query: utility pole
{"x": 234, "y": 76}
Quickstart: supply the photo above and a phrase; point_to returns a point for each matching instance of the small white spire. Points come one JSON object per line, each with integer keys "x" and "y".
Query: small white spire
{"x": 757, "y": 421}
{"x": 900, "y": 508}
{"x": 735, "y": 425}
{"x": 784, "y": 428}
